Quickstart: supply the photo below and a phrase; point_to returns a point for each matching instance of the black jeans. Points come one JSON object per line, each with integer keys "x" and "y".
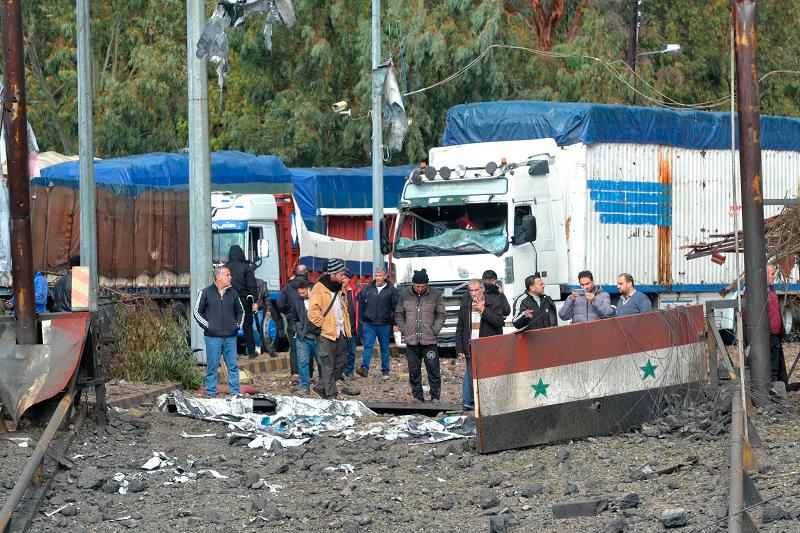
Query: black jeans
{"x": 247, "y": 329}
{"x": 332, "y": 358}
{"x": 416, "y": 355}
{"x": 290, "y": 331}
{"x": 776, "y": 355}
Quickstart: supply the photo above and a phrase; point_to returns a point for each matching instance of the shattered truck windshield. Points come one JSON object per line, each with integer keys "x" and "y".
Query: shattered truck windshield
{"x": 453, "y": 229}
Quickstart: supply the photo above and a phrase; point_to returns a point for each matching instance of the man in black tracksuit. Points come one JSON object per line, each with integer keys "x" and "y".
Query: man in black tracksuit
{"x": 219, "y": 312}
{"x": 534, "y": 309}
{"x": 243, "y": 281}
{"x": 286, "y": 301}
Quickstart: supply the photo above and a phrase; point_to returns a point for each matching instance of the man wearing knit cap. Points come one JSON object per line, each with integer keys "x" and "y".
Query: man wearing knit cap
{"x": 420, "y": 316}
{"x": 327, "y": 309}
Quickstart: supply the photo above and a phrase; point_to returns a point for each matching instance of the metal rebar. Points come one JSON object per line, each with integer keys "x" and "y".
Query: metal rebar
{"x": 23, "y": 523}
{"x": 25, "y": 478}
{"x": 736, "y": 494}
{"x": 199, "y": 169}
{"x": 88, "y": 193}
{"x": 755, "y": 261}
{"x": 15, "y": 124}
{"x": 377, "y": 138}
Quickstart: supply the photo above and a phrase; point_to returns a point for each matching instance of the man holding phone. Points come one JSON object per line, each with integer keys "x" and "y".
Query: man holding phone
{"x": 588, "y": 304}
{"x": 479, "y": 316}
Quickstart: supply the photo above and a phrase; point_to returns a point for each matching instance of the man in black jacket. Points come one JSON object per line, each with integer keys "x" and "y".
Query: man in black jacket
{"x": 481, "y": 316}
{"x": 62, "y": 290}
{"x": 287, "y": 299}
{"x": 243, "y": 281}
{"x": 378, "y": 302}
{"x": 534, "y": 309}
{"x": 219, "y": 312}
{"x": 492, "y": 286}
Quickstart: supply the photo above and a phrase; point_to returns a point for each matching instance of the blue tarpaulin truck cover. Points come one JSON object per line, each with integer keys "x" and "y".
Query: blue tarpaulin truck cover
{"x": 313, "y": 188}
{"x": 159, "y": 170}
{"x": 571, "y": 123}
{"x": 343, "y": 188}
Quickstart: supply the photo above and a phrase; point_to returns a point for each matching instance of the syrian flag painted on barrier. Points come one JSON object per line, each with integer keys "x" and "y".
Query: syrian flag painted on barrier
{"x": 585, "y": 379}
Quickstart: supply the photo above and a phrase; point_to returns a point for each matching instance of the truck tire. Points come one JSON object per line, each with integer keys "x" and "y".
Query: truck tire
{"x": 790, "y": 316}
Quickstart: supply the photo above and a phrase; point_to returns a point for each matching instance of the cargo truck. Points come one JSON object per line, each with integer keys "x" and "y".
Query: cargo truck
{"x": 525, "y": 187}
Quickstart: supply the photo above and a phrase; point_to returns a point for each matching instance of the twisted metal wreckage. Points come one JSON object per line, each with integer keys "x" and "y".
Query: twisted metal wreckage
{"x": 291, "y": 421}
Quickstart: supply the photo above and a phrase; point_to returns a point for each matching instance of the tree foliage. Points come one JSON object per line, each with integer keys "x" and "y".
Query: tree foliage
{"x": 279, "y": 102}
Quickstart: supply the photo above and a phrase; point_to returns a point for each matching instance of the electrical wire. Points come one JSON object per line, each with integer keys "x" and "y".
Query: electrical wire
{"x": 665, "y": 101}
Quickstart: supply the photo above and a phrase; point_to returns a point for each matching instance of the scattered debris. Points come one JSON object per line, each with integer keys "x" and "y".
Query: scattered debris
{"x": 575, "y": 508}
{"x": 424, "y": 430}
{"x": 674, "y": 518}
{"x": 198, "y": 436}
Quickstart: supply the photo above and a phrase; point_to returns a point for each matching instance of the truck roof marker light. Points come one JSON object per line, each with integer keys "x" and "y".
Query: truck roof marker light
{"x": 491, "y": 168}
{"x": 461, "y": 171}
{"x": 416, "y": 176}
{"x": 444, "y": 172}
{"x": 430, "y": 173}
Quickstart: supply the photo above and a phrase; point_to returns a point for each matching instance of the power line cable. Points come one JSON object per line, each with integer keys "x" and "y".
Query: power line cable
{"x": 665, "y": 101}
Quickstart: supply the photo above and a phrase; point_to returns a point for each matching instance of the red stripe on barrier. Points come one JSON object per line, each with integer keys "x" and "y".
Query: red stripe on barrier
{"x": 546, "y": 348}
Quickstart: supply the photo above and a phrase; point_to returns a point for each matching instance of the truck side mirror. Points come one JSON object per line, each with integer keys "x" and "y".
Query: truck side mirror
{"x": 383, "y": 232}
{"x": 529, "y": 227}
{"x": 263, "y": 248}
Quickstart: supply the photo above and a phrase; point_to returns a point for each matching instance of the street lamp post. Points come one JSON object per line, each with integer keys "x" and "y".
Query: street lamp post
{"x": 670, "y": 49}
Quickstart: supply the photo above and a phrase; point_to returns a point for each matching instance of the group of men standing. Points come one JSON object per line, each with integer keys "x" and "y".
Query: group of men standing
{"x": 324, "y": 321}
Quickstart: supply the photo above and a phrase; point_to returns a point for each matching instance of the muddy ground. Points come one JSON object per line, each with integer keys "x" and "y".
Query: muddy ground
{"x": 397, "y": 487}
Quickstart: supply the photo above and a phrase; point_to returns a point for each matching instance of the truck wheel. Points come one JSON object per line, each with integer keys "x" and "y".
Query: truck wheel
{"x": 789, "y": 321}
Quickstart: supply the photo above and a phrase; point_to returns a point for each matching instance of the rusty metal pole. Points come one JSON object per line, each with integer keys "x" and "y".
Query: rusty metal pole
{"x": 736, "y": 494}
{"x": 15, "y": 123}
{"x": 755, "y": 260}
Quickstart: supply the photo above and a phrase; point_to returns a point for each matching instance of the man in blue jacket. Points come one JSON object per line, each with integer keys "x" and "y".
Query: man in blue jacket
{"x": 378, "y": 302}
{"x": 220, "y": 313}
{"x": 39, "y": 293}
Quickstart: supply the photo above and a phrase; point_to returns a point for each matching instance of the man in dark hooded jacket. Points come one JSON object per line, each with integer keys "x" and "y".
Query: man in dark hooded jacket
{"x": 286, "y": 301}
{"x": 62, "y": 290}
{"x": 243, "y": 281}
{"x": 491, "y": 286}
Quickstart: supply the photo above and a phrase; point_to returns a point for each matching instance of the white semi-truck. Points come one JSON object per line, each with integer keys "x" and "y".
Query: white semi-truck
{"x": 566, "y": 200}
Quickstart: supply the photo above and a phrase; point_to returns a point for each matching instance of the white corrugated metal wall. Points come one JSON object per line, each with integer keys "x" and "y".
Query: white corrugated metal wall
{"x": 701, "y": 205}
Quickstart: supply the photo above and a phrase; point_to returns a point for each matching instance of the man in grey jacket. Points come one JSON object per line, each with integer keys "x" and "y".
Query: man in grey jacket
{"x": 420, "y": 316}
{"x": 590, "y": 303}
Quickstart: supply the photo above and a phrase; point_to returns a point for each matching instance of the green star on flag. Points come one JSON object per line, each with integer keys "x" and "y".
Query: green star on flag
{"x": 540, "y": 389}
{"x": 649, "y": 370}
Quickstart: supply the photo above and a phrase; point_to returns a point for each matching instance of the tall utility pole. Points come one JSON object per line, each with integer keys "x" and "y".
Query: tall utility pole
{"x": 755, "y": 254}
{"x": 199, "y": 169}
{"x": 377, "y": 137}
{"x": 88, "y": 194}
{"x": 15, "y": 117}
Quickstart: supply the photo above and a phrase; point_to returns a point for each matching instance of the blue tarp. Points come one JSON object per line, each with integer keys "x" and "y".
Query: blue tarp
{"x": 131, "y": 175}
{"x": 314, "y": 188}
{"x": 343, "y": 188}
{"x": 571, "y": 123}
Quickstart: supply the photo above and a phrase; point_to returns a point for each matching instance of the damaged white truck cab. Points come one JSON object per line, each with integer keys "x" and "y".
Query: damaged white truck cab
{"x": 478, "y": 207}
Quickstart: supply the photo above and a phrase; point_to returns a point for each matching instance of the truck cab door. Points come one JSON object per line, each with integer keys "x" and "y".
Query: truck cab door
{"x": 523, "y": 254}
{"x": 263, "y": 252}
{"x": 551, "y": 244}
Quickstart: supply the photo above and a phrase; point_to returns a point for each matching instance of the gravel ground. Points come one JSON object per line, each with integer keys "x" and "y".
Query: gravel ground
{"x": 396, "y": 487}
